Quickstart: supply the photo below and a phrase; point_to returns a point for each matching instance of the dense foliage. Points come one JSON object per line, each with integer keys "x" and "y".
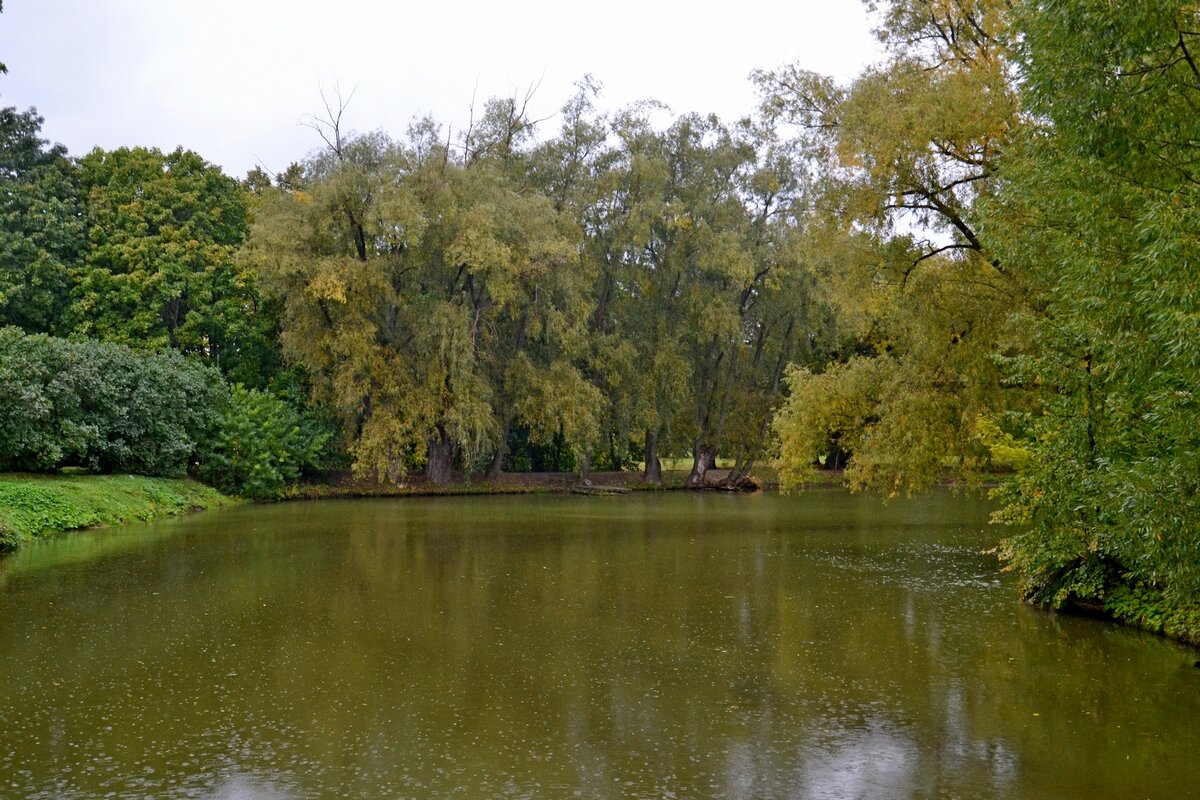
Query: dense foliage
{"x": 161, "y": 267}
{"x": 42, "y": 234}
{"x": 1102, "y": 210}
{"x": 616, "y": 287}
{"x": 909, "y": 152}
{"x": 1029, "y": 173}
{"x": 261, "y": 445}
{"x": 102, "y": 406}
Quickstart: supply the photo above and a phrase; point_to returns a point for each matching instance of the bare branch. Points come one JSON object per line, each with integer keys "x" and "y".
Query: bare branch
{"x": 1188, "y": 56}
{"x": 329, "y": 127}
{"x": 942, "y": 249}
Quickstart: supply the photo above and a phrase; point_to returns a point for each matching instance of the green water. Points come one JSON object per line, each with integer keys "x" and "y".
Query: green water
{"x": 644, "y": 646}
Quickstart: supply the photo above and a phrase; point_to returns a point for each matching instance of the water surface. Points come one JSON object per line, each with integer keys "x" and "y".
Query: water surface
{"x": 645, "y": 646}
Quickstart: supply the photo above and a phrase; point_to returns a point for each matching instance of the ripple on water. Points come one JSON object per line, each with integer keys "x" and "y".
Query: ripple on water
{"x": 652, "y": 647}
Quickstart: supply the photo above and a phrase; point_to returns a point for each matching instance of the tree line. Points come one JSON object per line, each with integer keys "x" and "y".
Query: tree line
{"x": 979, "y": 252}
{"x": 619, "y": 291}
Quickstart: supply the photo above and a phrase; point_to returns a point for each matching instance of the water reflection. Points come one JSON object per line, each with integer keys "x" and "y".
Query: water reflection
{"x": 681, "y": 646}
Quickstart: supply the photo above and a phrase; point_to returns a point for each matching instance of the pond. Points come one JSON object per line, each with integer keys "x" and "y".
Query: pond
{"x": 643, "y": 646}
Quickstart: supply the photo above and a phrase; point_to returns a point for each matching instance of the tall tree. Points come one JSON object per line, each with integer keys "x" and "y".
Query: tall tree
{"x": 633, "y": 323}
{"x": 580, "y": 172}
{"x": 42, "y": 231}
{"x": 782, "y": 317}
{"x": 910, "y": 150}
{"x": 1101, "y": 208}
{"x": 161, "y": 269}
{"x": 423, "y": 293}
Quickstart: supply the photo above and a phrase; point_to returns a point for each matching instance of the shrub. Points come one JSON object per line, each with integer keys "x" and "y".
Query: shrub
{"x": 262, "y": 444}
{"x": 102, "y": 406}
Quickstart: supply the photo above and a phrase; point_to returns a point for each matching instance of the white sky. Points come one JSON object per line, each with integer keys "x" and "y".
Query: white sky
{"x": 232, "y": 79}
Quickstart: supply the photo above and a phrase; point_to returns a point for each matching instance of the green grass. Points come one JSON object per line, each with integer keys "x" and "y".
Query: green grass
{"x": 37, "y": 505}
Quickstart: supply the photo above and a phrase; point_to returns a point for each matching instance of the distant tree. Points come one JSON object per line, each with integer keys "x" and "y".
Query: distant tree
{"x": 699, "y": 291}
{"x": 42, "y": 230}
{"x": 161, "y": 269}
{"x": 257, "y": 181}
{"x": 421, "y": 293}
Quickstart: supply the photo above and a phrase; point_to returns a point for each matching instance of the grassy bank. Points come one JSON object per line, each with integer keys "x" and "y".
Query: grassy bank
{"x": 37, "y": 505}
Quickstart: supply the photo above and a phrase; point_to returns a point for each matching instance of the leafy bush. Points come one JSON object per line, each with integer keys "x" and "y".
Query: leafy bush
{"x": 101, "y": 406}
{"x": 42, "y": 423}
{"x": 1146, "y": 607}
{"x": 263, "y": 443}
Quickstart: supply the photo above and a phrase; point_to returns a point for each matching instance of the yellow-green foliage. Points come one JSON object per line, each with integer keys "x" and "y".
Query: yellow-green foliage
{"x": 902, "y": 435}
{"x": 407, "y": 339}
{"x": 909, "y": 149}
{"x": 36, "y": 505}
{"x": 834, "y": 402}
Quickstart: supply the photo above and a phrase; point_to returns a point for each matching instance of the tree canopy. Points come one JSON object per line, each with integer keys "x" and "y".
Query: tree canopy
{"x": 42, "y": 231}
{"x": 908, "y": 156}
{"x": 1100, "y": 207}
{"x": 1051, "y": 324}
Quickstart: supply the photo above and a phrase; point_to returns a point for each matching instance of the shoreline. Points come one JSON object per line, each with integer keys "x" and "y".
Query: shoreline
{"x": 38, "y": 507}
{"x": 35, "y": 507}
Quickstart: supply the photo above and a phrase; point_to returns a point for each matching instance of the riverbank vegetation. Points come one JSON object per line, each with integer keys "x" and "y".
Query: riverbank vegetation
{"x": 981, "y": 252}
{"x": 34, "y": 505}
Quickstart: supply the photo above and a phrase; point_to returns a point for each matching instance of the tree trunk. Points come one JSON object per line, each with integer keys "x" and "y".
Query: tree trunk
{"x": 739, "y": 479}
{"x": 741, "y": 467}
{"x": 703, "y": 458}
{"x": 585, "y": 467}
{"x": 614, "y": 461}
{"x": 835, "y": 456}
{"x": 441, "y": 458}
{"x": 395, "y": 472}
{"x": 497, "y": 464}
{"x": 653, "y": 471}
{"x": 494, "y": 469}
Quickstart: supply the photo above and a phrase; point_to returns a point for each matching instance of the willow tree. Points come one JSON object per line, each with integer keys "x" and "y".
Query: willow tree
{"x": 584, "y": 171}
{"x": 537, "y": 346}
{"x": 782, "y": 318}
{"x": 1101, "y": 209}
{"x": 743, "y": 295}
{"x": 663, "y": 231}
{"x": 423, "y": 292}
{"x": 684, "y": 234}
{"x": 909, "y": 150}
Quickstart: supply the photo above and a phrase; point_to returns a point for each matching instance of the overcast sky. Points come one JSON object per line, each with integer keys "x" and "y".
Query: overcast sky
{"x": 232, "y": 79}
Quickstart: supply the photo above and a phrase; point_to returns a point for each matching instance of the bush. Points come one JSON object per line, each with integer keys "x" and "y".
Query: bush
{"x": 102, "y": 406}
{"x": 263, "y": 444}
